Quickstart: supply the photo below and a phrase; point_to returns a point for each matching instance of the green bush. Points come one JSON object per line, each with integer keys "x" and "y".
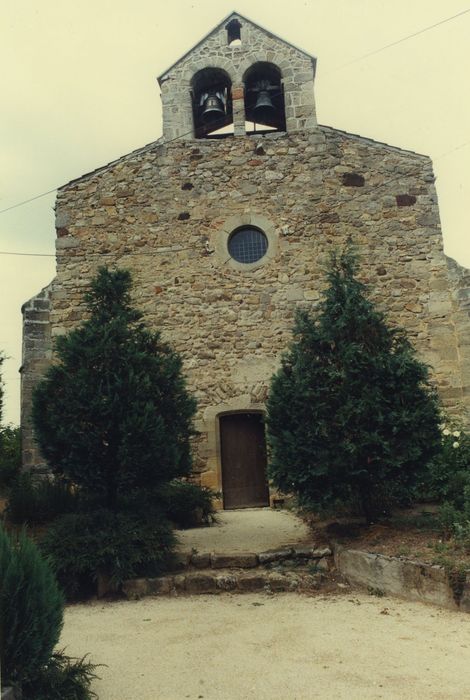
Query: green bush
{"x": 448, "y": 472}
{"x": 10, "y": 455}
{"x": 38, "y": 500}
{"x": 61, "y": 678}
{"x": 186, "y": 504}
{"x": 31, "y": 606}
{"x": 113, "y": 413}
{"x": 454, "y": 518}
{"x": 119, "y": 546}
{"x": 351, "y": 414}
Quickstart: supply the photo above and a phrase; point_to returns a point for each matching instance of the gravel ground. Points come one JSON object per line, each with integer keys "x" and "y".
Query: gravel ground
{"x": 286, "y": 647}
{"x": 247, "y": 530}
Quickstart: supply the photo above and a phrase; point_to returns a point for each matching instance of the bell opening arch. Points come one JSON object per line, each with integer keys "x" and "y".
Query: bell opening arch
{"x": 211, "y": 96}
{"x": 264, "y": 98}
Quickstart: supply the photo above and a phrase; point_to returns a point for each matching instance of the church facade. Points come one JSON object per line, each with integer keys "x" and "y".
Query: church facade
{"x": 225, "y": 224}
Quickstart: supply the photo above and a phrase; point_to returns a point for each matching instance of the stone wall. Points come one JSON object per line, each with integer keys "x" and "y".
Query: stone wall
{"x": 37, "y": 355}
{"x": 165, "y": 213}
{"x": 257, "y": 45}
{"x": 459, "y": 278}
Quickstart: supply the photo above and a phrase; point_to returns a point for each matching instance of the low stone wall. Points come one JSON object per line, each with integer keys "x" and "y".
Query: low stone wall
{"x": 247, "y": 560}
{"x": 411, "y": 580}
{"x": 235, "y": 581}
{"x": 239, "y": 573}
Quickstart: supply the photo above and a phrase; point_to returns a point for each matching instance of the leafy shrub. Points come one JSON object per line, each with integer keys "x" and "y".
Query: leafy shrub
{"x": 37, "y": 501}
{"x": 448, "y": 516}
{"x": 124, "y": 545}
{"x": 448, "y": 472}
{"x": 186, "y": 504}
{"x": 455, "y": 519}
{"x": 62, "y": 678}
{"x": 10, "y": 455}
{"x": 31, "y": 606}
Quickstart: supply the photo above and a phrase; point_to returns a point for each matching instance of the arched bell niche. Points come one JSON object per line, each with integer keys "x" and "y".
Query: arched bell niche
{"x": 211, "y": 94}
{"x": 264, "y": 98}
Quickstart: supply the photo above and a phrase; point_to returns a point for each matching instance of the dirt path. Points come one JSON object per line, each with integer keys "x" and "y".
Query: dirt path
{"x": 288, "y": 647}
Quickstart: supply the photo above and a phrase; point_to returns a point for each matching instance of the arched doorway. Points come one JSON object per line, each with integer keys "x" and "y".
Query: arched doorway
{"x": 243, "y": 457}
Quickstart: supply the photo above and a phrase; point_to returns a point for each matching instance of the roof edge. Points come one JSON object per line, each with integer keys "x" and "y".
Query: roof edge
{"x": 137, "y": 151}
{"x": 230, "y": 16}
{"x": 374, "y": 141}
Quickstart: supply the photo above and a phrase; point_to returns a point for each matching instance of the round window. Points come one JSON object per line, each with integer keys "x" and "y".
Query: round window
{"x": 247, "y": 244}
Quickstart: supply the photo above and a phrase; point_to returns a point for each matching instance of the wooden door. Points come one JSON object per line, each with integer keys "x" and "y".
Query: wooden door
{"x": 243, "y": 452}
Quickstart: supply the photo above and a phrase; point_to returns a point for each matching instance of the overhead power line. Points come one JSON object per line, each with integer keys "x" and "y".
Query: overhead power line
{"x": 27, "y": 201}
{"x": 32, "y": 255}
{"x": 404, "y": 38}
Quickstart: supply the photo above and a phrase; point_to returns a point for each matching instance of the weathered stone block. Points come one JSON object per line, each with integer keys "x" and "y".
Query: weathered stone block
{"x": 159, "y": 586}
{"x": 201, "y": 583}
{"x": 135, "y": 588}
{"x": 311, "y": 552}
{"x": 278, "y": 582}
{"x": 322, "y": 564}
{"x": 294, "y": 293}
{"x": 252, "y": 583}
{"x": 277, "y": 555}
{"x": 179, "y": 583}
{"x": 226, "y": 582}
{"x": 201, "y": 561}
{"x": 65, "y": 243}
{"x": 234, "y": 561}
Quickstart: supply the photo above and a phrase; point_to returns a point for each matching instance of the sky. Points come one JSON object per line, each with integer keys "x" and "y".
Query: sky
{"x": 79, "y": 89}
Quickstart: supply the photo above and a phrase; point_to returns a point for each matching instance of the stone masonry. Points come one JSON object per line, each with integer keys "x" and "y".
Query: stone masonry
{"x": 166, "y": 211}
{"x": 257, "y": 45}
{"x": 37, "y": 356}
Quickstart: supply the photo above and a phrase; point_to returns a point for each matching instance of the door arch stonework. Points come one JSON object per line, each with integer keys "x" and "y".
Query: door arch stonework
{"x": 212, "y": 474}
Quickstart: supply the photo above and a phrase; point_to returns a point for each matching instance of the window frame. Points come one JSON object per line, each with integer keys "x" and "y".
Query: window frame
{"x": 220, "y": 239}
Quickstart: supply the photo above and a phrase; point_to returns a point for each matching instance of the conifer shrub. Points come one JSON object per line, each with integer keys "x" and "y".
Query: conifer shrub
{"x": 118, "y": 545}
{"x": 351, "y": 416}
{"x": 31, "y": 608}
{"x": 113, "y": 414}
{"x": 62, "y": 678}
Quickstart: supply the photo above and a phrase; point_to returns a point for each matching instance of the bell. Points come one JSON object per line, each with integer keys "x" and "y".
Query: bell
{"x": 264, "y": 109}
{"x": 213, "y": 108}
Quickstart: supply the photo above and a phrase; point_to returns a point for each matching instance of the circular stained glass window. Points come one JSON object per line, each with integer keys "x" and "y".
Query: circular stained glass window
{"x": 247, "y": 244}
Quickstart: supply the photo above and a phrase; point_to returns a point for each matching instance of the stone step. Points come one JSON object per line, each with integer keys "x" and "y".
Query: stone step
{"x": 227, "y": 580}
{"x": 295, "y": 556}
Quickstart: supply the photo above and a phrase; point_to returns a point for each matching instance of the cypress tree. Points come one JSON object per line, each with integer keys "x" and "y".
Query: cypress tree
{"x": 352, "y": 417}
{"x": 31, "y": 609}
{"x": 113, "y": 414}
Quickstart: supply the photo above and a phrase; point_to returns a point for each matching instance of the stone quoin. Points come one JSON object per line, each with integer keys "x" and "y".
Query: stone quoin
{"x": 226, "y": 222}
